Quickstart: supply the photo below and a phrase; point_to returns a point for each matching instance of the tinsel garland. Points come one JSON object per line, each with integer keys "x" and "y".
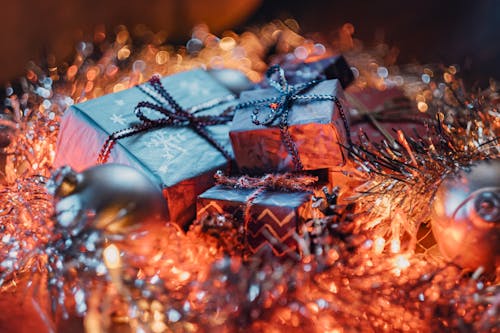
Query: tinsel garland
{"x": 462, "y": 130}
{"x": 363, "y": 273}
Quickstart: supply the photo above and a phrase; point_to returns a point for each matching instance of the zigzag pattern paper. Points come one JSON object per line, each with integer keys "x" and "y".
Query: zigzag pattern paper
{"x": 275, "y": 217}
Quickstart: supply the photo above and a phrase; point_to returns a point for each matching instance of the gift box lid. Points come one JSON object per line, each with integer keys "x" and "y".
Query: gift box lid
{"x": 290, "y": 200}
{"x": 321, "y": 112}
{"x": 169, "y": 154}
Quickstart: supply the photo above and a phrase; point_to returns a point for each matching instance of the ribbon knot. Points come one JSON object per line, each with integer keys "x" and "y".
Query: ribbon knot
{"x": 285, "y": 182}
{"x": 172, "y": 114}
{"x": 279, "y": 107}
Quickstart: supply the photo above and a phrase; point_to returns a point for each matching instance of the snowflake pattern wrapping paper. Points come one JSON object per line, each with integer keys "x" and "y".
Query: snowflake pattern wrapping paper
{"x": 176, "y": 158}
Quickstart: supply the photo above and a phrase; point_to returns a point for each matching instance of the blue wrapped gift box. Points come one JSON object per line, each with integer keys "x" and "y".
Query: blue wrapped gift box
{"x": 179, "y": 160}
{"x": 316, "y": 128}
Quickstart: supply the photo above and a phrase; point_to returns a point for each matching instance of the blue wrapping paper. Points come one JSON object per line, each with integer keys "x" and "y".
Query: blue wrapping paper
{"x": 316, "y": 128}
{"x": 180, "y": 161}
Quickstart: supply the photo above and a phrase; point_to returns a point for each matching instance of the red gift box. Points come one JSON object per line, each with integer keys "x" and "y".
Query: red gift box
{"x": 381, "y": 113}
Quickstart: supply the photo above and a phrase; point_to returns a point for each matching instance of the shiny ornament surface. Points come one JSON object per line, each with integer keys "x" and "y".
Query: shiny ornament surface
{"x": 466, "y": 216}
{"x": 109, "y": 197}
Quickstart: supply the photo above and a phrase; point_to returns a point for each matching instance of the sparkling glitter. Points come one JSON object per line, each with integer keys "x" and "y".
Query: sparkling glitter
{"x": 173, "y": 315}
{"x": 139, "y": 66}
{"x": 301, "y": 53}
{"x": 422, "y": 106}
{"x": 319, "y": 49}
{"x": 123, "y": 53}
{"x": 227, "y": 43}
{"x": 192, "y": 281}
{"x": 194, "y": 45}
{"x": 122, "y": 37}
{"x": 46, "y": 104}
{"x": 426, "y": 78}
{"x": 382, "y": 72}
{"x": 162, "y": 57}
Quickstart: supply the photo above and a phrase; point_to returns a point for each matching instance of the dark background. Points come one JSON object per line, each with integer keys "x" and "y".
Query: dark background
{"x": 460, "y": 32}
{"x": 451, "y": 32}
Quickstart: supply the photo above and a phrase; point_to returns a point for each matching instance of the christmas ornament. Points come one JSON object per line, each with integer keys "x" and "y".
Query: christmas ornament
{"x": 466, "y": 216}
{"x": 109, "y": 197}
{"x": 97, "y": 211}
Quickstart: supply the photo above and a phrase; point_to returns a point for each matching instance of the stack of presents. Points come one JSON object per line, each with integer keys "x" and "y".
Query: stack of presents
{"x": 182, "y": 129}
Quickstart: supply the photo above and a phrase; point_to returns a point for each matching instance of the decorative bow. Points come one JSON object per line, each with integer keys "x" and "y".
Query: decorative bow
{"x": 172, "y": 115}
{"x": 285, "y": 182}
{"x": 279, "y": 107}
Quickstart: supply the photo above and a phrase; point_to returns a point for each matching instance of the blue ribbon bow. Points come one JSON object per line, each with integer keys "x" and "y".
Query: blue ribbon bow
{"x": 279, "y": 107}
{"x": 172, "y": 115}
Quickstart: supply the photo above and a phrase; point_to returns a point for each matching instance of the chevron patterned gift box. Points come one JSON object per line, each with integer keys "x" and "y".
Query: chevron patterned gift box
{"x": 274, "y": 217}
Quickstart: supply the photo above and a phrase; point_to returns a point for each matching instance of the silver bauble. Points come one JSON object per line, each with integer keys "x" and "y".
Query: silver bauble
{"x": 466, "y": 216}
{"x": 109, "y": 197}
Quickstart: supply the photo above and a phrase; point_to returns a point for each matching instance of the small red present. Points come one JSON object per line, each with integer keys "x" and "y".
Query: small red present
{"x": 381, "y": 113}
